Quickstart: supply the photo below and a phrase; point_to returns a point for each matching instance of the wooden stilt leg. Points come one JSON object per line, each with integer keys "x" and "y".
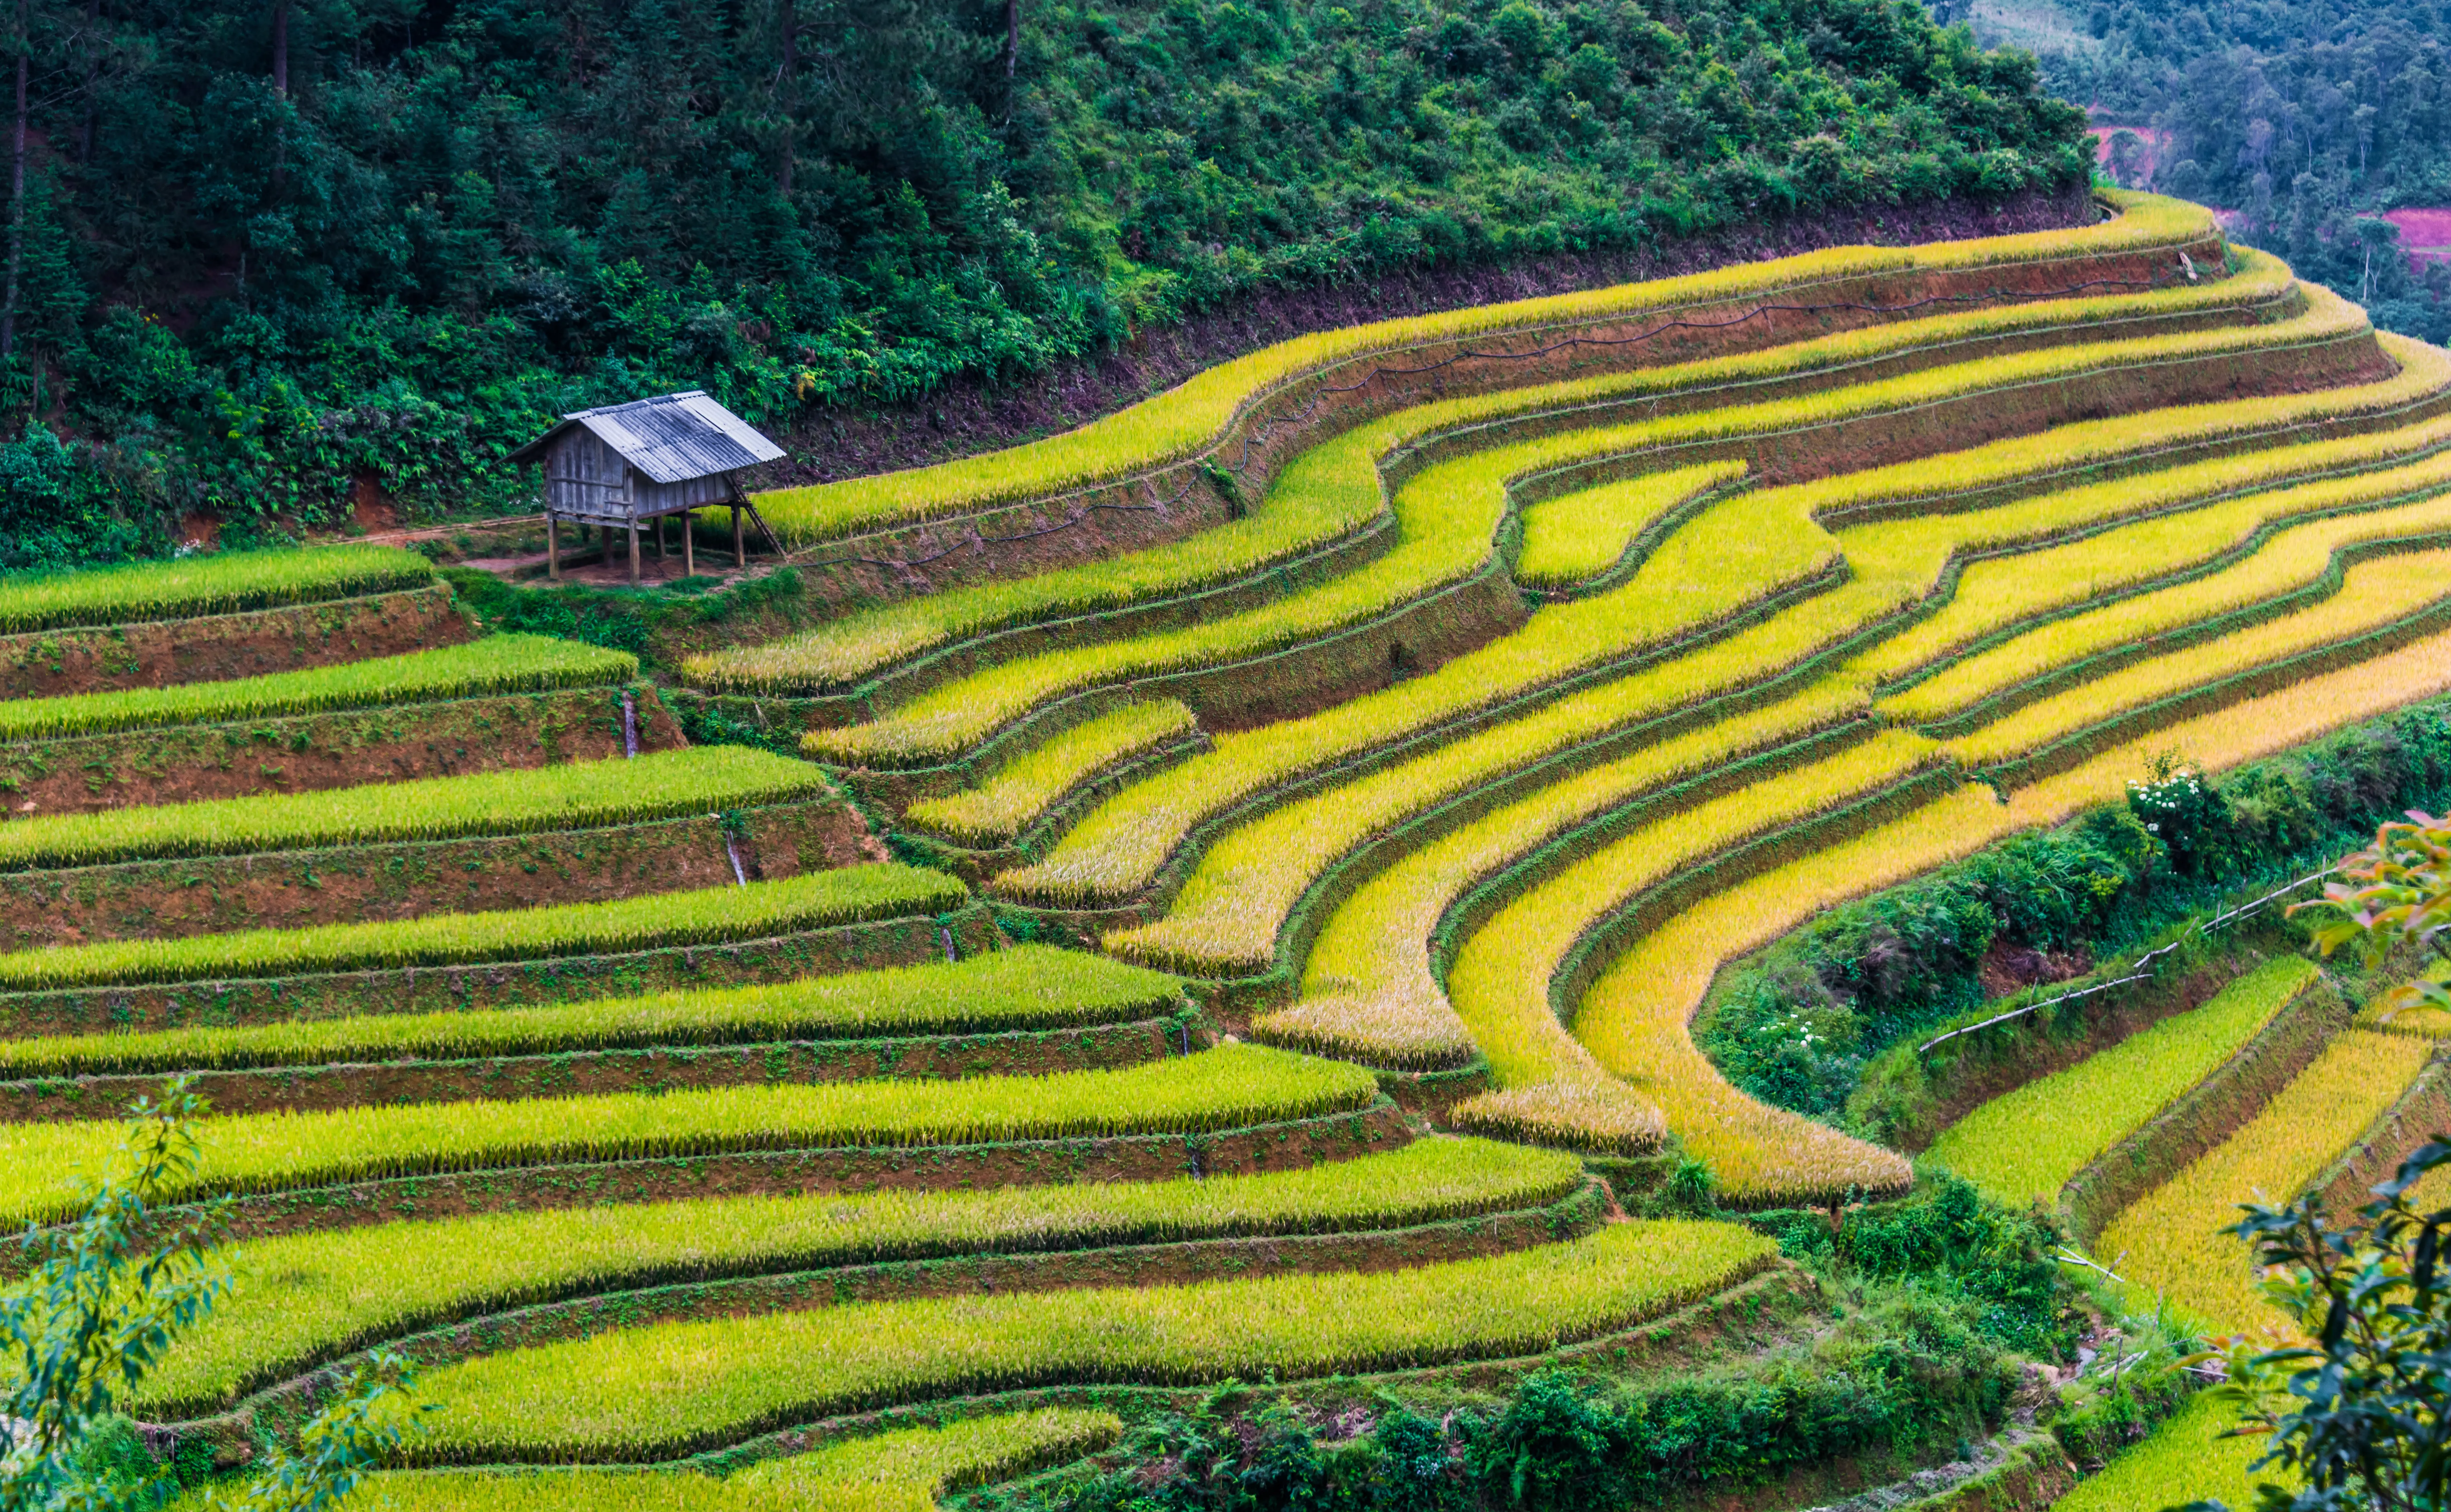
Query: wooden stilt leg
{"x": 739, "y": 543}
{"x": 634, "y": 554}
{"x": 552, "y": 549}
{"x": 689, "y": 547}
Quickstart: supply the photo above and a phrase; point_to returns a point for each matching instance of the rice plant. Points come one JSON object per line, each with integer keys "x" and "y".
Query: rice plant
{"x": 1447, "y": 515}
{"x": 1022, "y": 790}
{"x": 2374, "y": 595}
{"x": 2172, "y": 1236}
{"x": 215, "y": 583}
{"x": 1227, "y": 915}
{"x": 1368, "y": 989}
{"x": 711, "y": 915}
{"x": 1026, "y": 987}
{"x": 1734, "y": 553}
{"x": 658, "y": 785}
{"x": 1632, "y": 1019}
{"x": 1577, "y": 537}
{"x": 1227, "y": 1087}
{"x": 900, "y": 1471}
{"x": 1499, "y": 981}
{"x": 1193, "y": 416}
{"x": 305, "y": 1297}
{"x": 1335, "y": 487}
{"x": 2186, "y": 1459}
{"x": 657, "y": 1390}
{"x": 494, "y": 664}
{"x": 2299, "y": 557}
{"x": 2022, "y": 1146}
{"x": 1997, "y": 594}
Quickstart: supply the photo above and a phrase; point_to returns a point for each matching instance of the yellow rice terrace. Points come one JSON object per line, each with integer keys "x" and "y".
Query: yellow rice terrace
{"x": 1673, "y": 896}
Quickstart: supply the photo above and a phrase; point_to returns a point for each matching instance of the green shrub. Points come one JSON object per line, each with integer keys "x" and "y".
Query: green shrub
{"x": 1868, "y": 975}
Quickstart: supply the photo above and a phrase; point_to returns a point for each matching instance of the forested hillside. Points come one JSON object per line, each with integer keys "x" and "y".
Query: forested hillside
{"x": 2307, "y": 118}
{"x": 268, "y": 250}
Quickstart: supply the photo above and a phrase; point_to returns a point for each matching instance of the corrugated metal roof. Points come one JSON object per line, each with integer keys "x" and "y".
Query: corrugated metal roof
{"x": 669, "y": 437}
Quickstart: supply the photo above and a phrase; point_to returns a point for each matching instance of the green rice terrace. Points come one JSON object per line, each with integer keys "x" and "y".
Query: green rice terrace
{"x": 1669, "y": 896}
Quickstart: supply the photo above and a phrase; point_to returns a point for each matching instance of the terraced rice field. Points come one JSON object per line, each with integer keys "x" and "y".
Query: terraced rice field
{"x": 1408, "y": 818}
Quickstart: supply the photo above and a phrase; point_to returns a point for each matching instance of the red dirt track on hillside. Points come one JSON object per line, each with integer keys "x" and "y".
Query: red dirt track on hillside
{"x": 2426, "y": 233}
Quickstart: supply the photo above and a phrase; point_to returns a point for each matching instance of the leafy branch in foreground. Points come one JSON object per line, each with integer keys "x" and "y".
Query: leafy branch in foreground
{"x": 2398, "y": 890}
{"x": 107, "y": 1296}
{"x": 2356, "y": 1413}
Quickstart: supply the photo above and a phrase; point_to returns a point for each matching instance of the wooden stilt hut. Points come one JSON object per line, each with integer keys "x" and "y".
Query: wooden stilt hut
{"x": 621, "y": 466}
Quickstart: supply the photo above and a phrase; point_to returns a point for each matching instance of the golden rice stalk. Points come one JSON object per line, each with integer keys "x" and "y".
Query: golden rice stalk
{"x": 1231, "y": 1087}
{"x": 494, "y": 664}
{"x": 1577, "y": 537}
{"x": 2171, "y": 1236}
{"x": 902, "y": 1471}
{"x": 2024, "y": 1146}
{"x": 757, "y": 911}
{"x": 644, "y": 1392}
{"x": 1730, "y": 555}
{"x": 1191, "y": 417}
{"x": 2373, "y": 595}
{"x": 2300, "y": 556}
{"x": 1024, "y": 986}
{"x": 218, "y": 583}
{"x": 658, "y": 785}
{"x": 1015, "y": 797}
{"x": 1446, "y": 515}
{"x": 304, "y": 1299}
{"x": 1335, "y": 487}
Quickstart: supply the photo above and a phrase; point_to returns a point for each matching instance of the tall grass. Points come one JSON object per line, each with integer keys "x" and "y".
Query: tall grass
{"x": 1732, "y": 553}
{"x": 1368, "y": 988}
{"x": 2299, "y": 557}
{"x": 2175, "y": 1251}
{"x": 2022, "y": 1146}
{"x": 653, "y": 1392}
{"x": 812, "y": 900}
{"x": 1335, "y": 487}
{"x": 1193, "y": 416}
{"x": 1027, "y": 986}
{"x": 2373, "y": 594}
{"x": 303, "y": 1298}
{"x": 1500, "y": 981}
{"x": 1577, "y": 537}
{"x": 659, "y": 785}
{"x": 1227, "y": 1088}
{"x": 218, "y": 583}
{"x": 1447, "y": 515}
{"x": 902, "y": 1471}
{"x": 1019, "y": 793}
{"x": 493, "y": 665}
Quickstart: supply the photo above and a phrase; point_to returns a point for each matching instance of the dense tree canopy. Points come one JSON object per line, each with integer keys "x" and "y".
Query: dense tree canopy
{"x": 2307, "y": 117}
{"x": 271, "y": 245}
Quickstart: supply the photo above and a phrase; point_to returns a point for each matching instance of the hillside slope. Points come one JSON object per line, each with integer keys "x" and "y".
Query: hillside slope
{"x": 376, "y": 245}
